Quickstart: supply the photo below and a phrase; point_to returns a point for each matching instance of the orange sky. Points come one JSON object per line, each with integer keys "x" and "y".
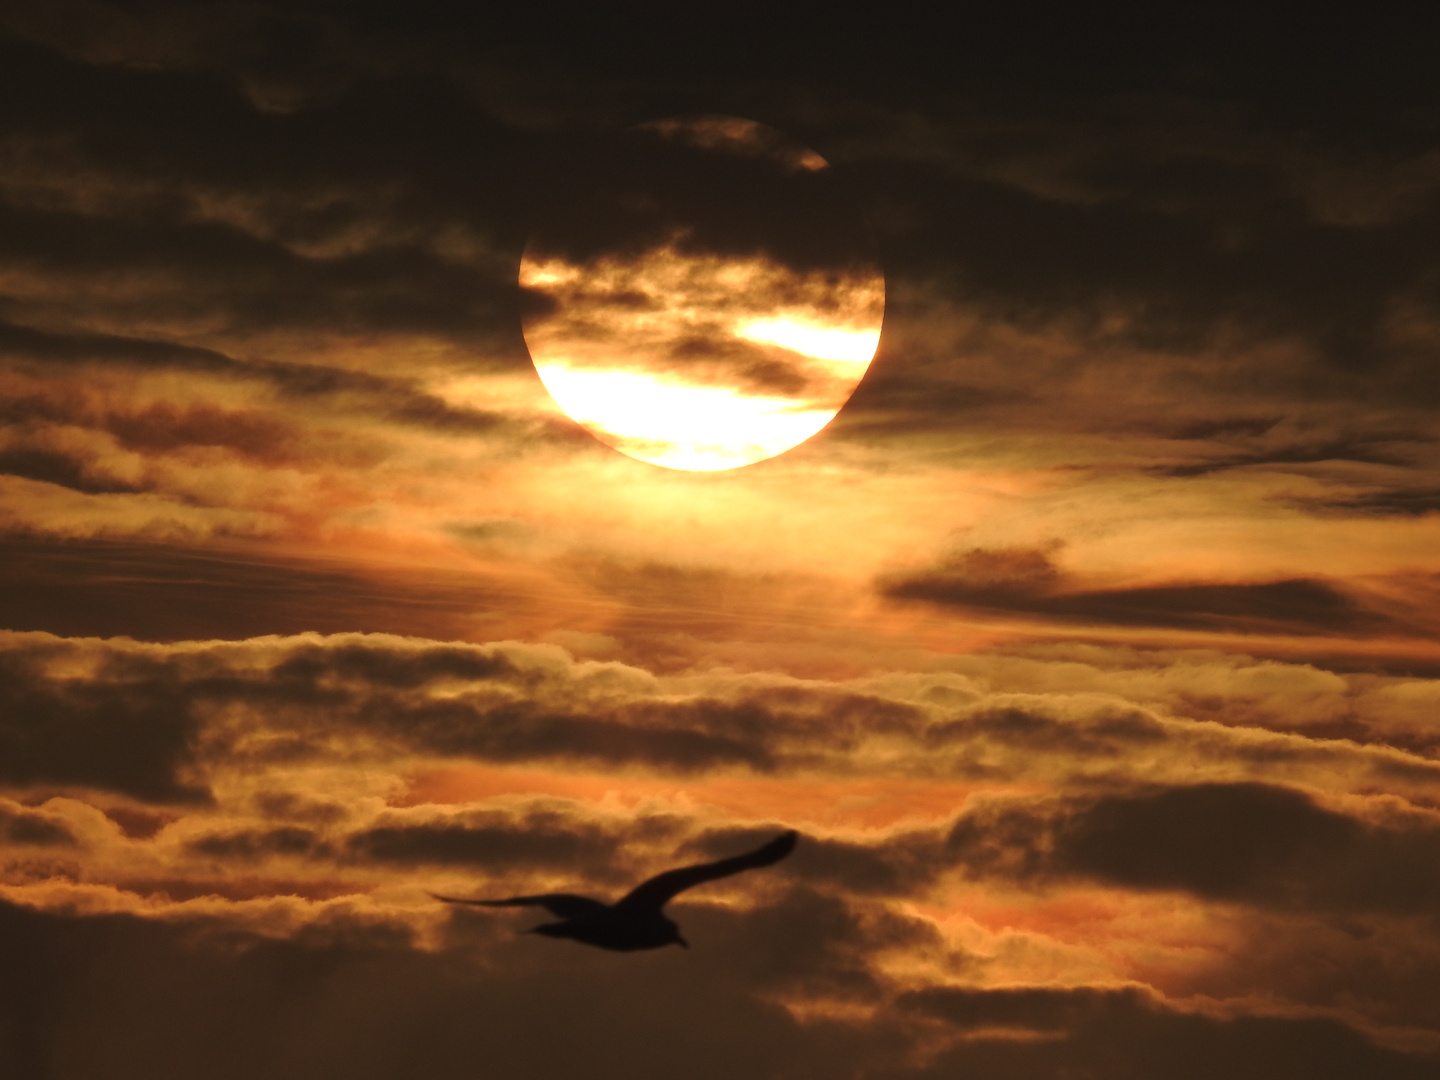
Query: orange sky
{"x": 1091, "y": 646}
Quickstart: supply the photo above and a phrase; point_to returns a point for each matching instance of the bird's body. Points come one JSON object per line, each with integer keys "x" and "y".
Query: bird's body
{"x": 636, "y": 920}
{"x": 622, "y": 935}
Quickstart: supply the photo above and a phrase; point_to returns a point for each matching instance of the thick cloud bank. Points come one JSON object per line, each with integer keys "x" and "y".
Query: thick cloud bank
{"x": 1020, "y": 879}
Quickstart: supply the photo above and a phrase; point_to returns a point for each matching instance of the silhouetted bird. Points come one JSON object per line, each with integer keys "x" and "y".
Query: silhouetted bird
{"x": 635, "y": 921}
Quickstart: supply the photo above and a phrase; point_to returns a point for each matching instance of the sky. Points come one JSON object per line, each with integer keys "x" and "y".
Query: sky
{"x": 1091, "y": 647}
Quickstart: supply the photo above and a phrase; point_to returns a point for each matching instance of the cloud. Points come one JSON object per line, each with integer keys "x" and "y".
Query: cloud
{"x": 1306, "y": 605}
{"x": 494, "y": 841}
{"x": 33, "y": 344}
{"x": 24, "y": 826}
{"x": 51, "y": 467}
{"x": 213, "y": 708}
{"x": 152, "y": 427}
{"x": 984, "y": 575}
{"x": 404, "y": 1006}
{"x": 123, "y": 730}
{"x": 710, "y": 1011}
{"x": 1247, "y": 842}
{"x": 1027, "y": 581}
{"x": 729, "y": 134}
{"x": 254, "y": 844}
{"x": 1045, "y": 1031}
{"x": 1375, "y": 448}
{"x": 174, "y": 592}
{"x": 1385, "y": 502}
{"x": 645, "y": 188}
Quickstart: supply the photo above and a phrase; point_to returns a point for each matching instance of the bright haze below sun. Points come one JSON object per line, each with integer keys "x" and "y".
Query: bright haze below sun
{"x": 686, "y": 356}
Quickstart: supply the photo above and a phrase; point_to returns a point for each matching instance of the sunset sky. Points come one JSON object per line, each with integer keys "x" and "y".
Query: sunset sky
{"x": 1093, "y": 648}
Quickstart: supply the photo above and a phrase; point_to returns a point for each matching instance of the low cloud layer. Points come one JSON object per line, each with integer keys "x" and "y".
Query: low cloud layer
{"x": 155, "y": 719}
{"x": 960, "y": 903}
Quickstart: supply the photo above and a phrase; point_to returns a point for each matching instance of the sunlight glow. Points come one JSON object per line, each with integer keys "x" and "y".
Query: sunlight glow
{"x": 701, "y": 428}
{"x": 821, "y": 342}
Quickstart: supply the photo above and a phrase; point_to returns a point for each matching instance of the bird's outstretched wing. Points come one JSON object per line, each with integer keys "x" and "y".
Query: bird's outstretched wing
{"x": 658, "y": 890}
{"x": 565, "y": 905}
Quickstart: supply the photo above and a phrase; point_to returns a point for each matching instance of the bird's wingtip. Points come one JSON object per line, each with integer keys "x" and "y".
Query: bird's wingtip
{"x": 461, "y": 900}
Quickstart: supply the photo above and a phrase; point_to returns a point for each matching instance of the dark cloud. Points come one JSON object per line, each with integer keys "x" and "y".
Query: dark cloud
{"x": 123, "y": 729}
{"x": 28, "y": 343}
{"x": 1197, "y": 238}
{"x": 1331, "y": 81}
{"x": 902, "y": 865}
{"x": 105, "y": 972}
{"x": 1109, "y": 732}
{"x": 1126, "y": 1035}
{"x": 1038, "y": 1009}
{"x": 1225, "y": 427}
{"x": 390, "y": 668}
{"x": 213, "y": 270}
{"x": 805, "y": 942}
{"x": 161, "y": 427}
{"x": 536, "y": 1011}
{"x": 1026, "y": 581}
{"x": 525, "y": 1009}
{"x": 984, "y": 576}
{"x": 63, "y": 470}
{"x": 752, "y": 368}
{"x": 1248, "y": 842}
{"x": 20, "y": 825}
{"x": 1218, "y": 840}
{"x": 643, "y": 191}
{"x": 1394, "y": 502}
{"x": 1186, "y": 276}
{"x": 1374, "y": 449}
{"x": 703, "y": 735}
{"x": 182, "y": 126}
{"x": 167, "y": 592}
{"x": 1299, "y": 605}
{"x": 495, "y": 842}
{"x": 382, "y": 212}
{"x": 253, "y": 844}
{"x": 139, "y": 822}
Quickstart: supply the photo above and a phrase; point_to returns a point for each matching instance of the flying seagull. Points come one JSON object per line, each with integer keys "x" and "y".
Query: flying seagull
{"x": 635, "y": 921}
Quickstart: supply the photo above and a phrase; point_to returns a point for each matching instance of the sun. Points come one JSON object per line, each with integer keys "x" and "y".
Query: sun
{"x": 709, "y": 363}
{"x": 667, "y": 343}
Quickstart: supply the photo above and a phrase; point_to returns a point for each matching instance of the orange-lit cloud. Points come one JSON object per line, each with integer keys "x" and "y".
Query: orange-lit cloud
{"x": 1003, "y": 837}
